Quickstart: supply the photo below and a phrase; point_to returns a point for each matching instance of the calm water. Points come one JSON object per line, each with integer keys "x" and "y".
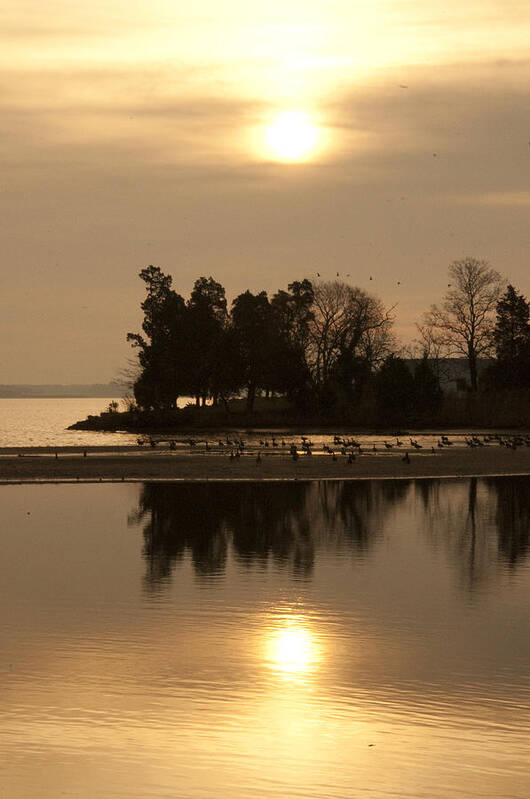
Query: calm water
{"x": 318, "y": 640}
{"x": 44, "y": 422}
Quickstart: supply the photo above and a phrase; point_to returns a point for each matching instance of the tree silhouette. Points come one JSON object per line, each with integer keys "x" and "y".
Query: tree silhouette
{"x": 206, "y": 320}
{"x": 394, "y": 390}
{"x": 512, "y": 341}
{"x": 464, "y": 322}
{"x": 253, "y": 336}
{"x": 427, "y": 392}
{"x": 347, "y": 326}
{"x": 163, "y": 352}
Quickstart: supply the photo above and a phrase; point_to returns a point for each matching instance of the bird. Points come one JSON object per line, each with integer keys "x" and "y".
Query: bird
{"x": 318, "y": 274}
{"x": 371, "y": 277}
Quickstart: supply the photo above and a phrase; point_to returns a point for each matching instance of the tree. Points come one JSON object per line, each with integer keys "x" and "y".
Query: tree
{"x": 427, "y": 391}
{"x": 252, "y": 335}
{"x": 162, "y": 350}
{"x": 512, "y": 340}
{"x": 430, "y": 345}
{"x": 394, "y": 391}
{"x": 206, "y": 319}
{"x": 291, "y": 315}
{"x": 464, "y": 322}
{"x": 348, "y": 329}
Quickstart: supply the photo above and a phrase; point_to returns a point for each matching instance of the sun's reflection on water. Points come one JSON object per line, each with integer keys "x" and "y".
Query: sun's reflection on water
{"x": 292, "y": 648}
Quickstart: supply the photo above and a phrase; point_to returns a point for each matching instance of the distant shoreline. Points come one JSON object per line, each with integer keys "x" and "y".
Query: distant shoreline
{"x": 57, "y": 391}
{"x": 132, "y": 463}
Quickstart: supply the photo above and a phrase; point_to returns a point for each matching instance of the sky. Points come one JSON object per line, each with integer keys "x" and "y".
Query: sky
{"x": 135, "y": 133}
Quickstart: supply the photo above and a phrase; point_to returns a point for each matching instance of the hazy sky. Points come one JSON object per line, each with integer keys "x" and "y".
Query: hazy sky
{"x": 138, "y": 132}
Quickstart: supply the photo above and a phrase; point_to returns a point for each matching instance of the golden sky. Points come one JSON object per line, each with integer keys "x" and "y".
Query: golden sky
{"x": 135, "y": 133}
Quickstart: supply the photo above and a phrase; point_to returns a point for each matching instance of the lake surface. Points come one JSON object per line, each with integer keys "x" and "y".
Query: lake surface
{"x": 43, "y": 422}
{"x": 242, "y": 641}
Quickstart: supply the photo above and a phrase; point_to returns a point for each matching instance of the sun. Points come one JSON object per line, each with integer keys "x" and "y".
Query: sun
{"x": 291, "y": 136}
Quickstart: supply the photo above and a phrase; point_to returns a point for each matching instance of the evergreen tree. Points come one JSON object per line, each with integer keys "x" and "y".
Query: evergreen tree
{"x": 206, "y": 319}
{"x": 512, "y": 340}
{"x": 253, "y": 336}
{"x": 162, "y": 350}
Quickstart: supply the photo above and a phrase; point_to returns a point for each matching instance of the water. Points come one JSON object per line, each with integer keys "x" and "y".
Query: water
{"x": 43, "y": 423}
{"x": 274, "y": 640}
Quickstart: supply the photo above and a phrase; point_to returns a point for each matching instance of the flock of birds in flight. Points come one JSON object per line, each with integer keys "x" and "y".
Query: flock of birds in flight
{"x": 449, "y": 285}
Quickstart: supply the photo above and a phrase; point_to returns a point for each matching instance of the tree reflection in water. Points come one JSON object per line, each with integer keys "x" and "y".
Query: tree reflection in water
{"x": 478, "y": 520}
{"x": 353, "y": 513}
{"x": 261, "y": 521}
{"x": 512, "y": 516}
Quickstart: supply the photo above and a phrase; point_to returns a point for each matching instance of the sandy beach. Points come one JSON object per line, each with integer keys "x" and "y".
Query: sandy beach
{"x": 134, "y": 463}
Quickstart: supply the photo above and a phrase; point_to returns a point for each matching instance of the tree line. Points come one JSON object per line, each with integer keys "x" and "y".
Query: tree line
{"x": 328, "y": 348}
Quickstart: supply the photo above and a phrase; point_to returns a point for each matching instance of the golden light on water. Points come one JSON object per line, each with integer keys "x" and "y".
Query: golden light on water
{"x": 291, "y": 136}
{"x": 292, "y": 648}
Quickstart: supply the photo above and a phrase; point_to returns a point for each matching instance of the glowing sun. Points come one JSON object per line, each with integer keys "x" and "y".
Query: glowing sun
{"x": 291, "y": 136}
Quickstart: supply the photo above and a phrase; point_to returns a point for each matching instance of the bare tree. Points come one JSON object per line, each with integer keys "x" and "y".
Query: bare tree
{"x": 430, "y": 345}
{"x": 464, "y": 322}
{"x": 128, "y": 376}
{"x": 346, "y": 322}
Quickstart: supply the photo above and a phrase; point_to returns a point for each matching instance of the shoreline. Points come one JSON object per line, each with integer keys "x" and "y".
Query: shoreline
{"x": 166, "y": 480}
{"x": 132, "y": 464}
